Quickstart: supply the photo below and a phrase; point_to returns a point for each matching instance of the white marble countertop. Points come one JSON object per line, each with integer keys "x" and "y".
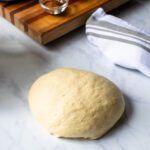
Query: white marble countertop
{"x": 23, "y": 60}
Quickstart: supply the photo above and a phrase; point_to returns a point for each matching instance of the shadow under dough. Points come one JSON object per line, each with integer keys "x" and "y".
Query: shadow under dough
{"x": 127, "y": 115}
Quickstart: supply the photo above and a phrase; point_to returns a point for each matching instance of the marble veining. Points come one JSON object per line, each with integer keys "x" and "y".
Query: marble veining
{"x": 22, "y": 60}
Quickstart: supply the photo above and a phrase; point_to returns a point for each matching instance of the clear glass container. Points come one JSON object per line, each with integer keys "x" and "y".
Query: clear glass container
{"x": 54, "y": 7}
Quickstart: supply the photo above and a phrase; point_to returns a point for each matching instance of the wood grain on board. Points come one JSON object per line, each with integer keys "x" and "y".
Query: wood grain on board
{"x": 42, "y": 27}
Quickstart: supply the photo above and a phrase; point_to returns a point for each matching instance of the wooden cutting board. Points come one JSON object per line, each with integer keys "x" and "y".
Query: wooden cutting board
{"x": 42, "y": 27}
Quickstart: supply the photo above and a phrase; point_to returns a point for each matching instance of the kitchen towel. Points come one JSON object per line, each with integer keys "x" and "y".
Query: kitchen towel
{"x": 121, "y": 42}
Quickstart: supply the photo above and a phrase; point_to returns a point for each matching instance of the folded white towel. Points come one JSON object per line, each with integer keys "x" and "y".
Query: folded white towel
{"x": 121, "y": 42}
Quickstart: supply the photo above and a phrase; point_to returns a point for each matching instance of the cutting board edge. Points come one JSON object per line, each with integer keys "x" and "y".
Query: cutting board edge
{"x": 60, "y": 30}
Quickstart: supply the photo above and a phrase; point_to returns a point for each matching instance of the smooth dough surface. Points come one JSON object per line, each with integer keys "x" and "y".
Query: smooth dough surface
{"x": 74, "y": 103}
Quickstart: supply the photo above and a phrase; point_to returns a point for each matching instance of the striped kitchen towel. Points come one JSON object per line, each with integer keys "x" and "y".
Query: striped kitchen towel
{"x": 121, "y": 42}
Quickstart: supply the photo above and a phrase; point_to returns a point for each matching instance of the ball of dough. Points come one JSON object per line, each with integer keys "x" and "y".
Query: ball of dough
{"x": 73, "y": 103}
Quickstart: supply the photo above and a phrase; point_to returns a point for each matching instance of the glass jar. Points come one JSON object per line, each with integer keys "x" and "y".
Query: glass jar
{"x": 54, "y": 7}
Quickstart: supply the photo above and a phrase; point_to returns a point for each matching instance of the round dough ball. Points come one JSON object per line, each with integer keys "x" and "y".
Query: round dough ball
{"x": 73, "y": 103}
